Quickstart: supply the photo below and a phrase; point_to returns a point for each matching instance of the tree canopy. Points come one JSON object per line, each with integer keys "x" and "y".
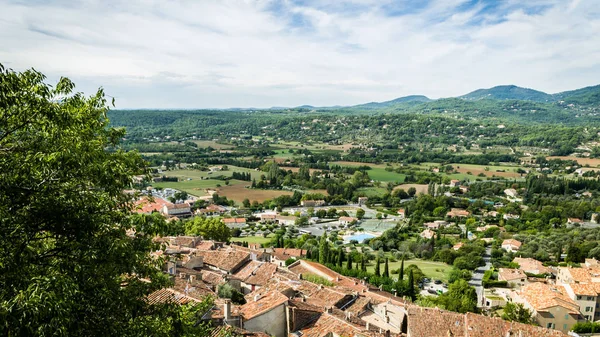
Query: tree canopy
{"x": 67, "y": 263}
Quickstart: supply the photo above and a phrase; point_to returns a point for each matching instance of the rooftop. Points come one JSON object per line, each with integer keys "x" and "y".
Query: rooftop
{"x": 543, "y": 296}
{"x": 264, "y": 304}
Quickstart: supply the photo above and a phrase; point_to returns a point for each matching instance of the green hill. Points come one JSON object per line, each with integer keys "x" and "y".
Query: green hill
{"x": 508, "y": 92}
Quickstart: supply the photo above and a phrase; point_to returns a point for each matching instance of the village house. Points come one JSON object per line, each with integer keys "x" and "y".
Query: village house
{"x": 531, "y": 266}
{"x": 454, "y": 183}
{"x": 516, "y": 278}
{"x": 347, "y": 220}
{"x": 312, "y": 203}
{"x": 401, "y": 213}
{"x": 585, "y": 295}
{"x": 362, "y": 201}
{"x": 268, "y": 217}
{"x": 182, "y": 210}
{"x": 434, "y": 322}
{"x": 510, "y": 216}
{"x": 427, "y": 234}
{"x": 511, "y": 192}
{"x": 458, "y": 246}
{"x": 226, "y": 261}
{"x": 266, "y": 313}
{"x": 458, "y": 213}
{"x": 234, "y": 222}
{"x": 145, "y": 206}
{"x": 211, "y": 209}
{"x": 511, "y": 245}
{"x": 574, "y": 221}
{"x": 286, "y": 220}
{"x": 254, "y": 275}
{"x": 436, "y": 224}
{"x": 280, "y": 255}
{"x": 568, "y": 275}
{"x": 551, "y": 306}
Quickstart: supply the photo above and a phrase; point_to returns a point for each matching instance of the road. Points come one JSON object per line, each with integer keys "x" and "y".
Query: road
{"x": 476, "y": 280}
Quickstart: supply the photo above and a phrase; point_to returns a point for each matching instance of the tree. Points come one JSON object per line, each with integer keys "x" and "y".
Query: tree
{"x": 209, "y": 229}
{"x": 360, "y": 213}
{"x": 340, "y": 259}
{"x": 516, "y": 312}
{"x": 386, "y": 269}
{"x": 323, "y": 249}
{"x": 460, "y": 297}
{"x": 363, "y": 266}
{"x": 377, "y": 271}
{"x": 67, "y": 265}
{"x": 410, "y": 292}
{"x": 401, "y": 273}
{"x": 246, "y": 203}
{"x": 348, "y": 262}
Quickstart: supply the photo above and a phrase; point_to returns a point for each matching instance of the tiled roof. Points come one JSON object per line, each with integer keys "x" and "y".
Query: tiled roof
{"x": 347, "y": 218}
{"x": 433, "y": 322}
{"x": 265, "y": 303}
{"x": 255, "y": 272}
{"x": 326, "y": 324}
{"x": 205, "y": 245}
{"x": 325, "y": 297}
{"x": 168, "y": 295}
{"x": 285, "y": 253}
{"x": 543, "y": 296}
{"x": 507, "y": 274}
{"x": 301, "y": 305}
{"x": 145, "y": 206}
{"x": 529, "y": 265}
{"x": 178, "y": 206}
{"x": 511, "y": 242}
{"x": 585, "y": 289}
{"x": 234, "y": 220}
{"x": 196, "y": 289}
{"x": 227, "y": 330}
{"x": 224, "y": 259}
{"x": 359, "y": 306}
{"x": 579, "y": 275}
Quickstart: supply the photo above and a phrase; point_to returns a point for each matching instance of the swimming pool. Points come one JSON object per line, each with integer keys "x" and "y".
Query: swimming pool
{"x": 359, "y": 237}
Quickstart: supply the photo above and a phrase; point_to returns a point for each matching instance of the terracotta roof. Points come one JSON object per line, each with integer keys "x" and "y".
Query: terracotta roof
{"x": 326, "y": 297}
{"x": 224, "y": 259}
{"x": 511, "y": 242}
{"x": 205, "y": 245}
{"x": 234, "y": 220}
{"x": 168, "y": 295}
{"x": 301, "y": 305}
{"x": 178, "y": 206}
{"x": 433, "y": 322}
{"x": 530, "y": 265}
{"x": 212, "y": 278}
{"x": 507, "y": 274}
{"x": 326, "y": 324}
{"x": 285, "y": 253}
{"x": 359, "y": 306}
{"x": 145, "y": 206}
{"x": 228, "y": 330}
{"x": 543, "y": 296}
{"x": 347, "y": 218}
{"x": 457, "y": 212}
{"x": 264, "y": 304}
{"x": 255, "y": 272}
{"x": 196, "y": 289}
{"x": 585, "y": 289}
{"x": 579, "y": 275}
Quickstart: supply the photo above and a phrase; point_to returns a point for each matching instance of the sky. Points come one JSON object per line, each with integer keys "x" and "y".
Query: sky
{"x": 171, "y": 54}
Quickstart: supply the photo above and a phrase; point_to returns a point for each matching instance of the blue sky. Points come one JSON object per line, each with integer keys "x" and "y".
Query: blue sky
{"x": 263, "y": 53}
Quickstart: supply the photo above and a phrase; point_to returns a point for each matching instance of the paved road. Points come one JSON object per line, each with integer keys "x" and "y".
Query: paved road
{"x": 476, "y": 281}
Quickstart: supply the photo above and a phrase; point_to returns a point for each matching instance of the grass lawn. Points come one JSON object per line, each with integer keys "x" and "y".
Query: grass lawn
{"x": 254, "y": 239}
{"x": 380, "y": 174}
{"x": 431, "y": 269}
{"x": 372, "y": 191}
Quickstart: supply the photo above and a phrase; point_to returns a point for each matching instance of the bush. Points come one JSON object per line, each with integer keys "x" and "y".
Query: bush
{"x": 317, "y": 279}
{"x": 289, "y": 261}
{"x": 586, "y": 327}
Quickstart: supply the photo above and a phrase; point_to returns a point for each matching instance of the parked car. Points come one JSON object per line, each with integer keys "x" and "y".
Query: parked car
{"x": 437, "y": 282}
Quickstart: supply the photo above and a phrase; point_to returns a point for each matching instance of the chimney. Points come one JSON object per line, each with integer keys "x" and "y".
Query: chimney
{"x": 300, "y": 276}
{"x": 181, "y": 275}
{"x": 387, "y": 333}
{"x": 381, "y": 287}
{"x": 227, "y": 310}
{"x": 368, "y": 326}
{"x": 338, "y": 279}
{"x": 256, "y": 297}
{"x": 192, "y": 278}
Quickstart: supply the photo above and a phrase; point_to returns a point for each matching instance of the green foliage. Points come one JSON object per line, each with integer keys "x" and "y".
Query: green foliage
{"x": 586, "y": 327}
{"x": 227, "y": 291}
{"x": 516, "y": 312}
{"x": 317, "y": 279}
{"x": 460, "y": 297}
{"x": 208, "y": 228}
{"x": 67, "y": 265}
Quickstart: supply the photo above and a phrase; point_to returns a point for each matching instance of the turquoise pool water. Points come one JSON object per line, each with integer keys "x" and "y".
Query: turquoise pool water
{"x": 359, "y": 237}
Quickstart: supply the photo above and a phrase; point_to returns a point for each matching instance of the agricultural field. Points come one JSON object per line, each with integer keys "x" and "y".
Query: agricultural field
{"x": 238, "y": 192}
{"x": 421, "y": 188}
{"x": 592, "y": 162}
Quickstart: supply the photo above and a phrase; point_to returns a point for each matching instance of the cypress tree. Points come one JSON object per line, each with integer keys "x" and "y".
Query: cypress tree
{"x": 323, "y": 250}
{"x": 411, "y": 285}
{"x": 386, "y": 269}
{"x": 363, "y": 266}
{"x": 348, "y": 262}
{"x": 377, "y": 271}
{"x": 308, "y": 255}
{"x": 401, "y": 276}
{"x": 340, "y": 258}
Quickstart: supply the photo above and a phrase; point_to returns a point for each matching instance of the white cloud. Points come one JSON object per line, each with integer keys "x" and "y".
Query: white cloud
{"x": 194, "y": 54}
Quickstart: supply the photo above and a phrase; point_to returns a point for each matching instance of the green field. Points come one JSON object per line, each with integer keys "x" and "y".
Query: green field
{"x": 380, "y": 174}
{"x": 433, "y": 270}
{"x": 254, "y": 239}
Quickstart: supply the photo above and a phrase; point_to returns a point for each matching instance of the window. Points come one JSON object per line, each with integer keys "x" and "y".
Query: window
{"x": 578, "y": 297}
{"x": 550, "y": 325}
{"x": 590, "y": 298}
{"x": 564, "y": 327}
{"x": 588, "y": 309}
{"x": 566, "y": 316}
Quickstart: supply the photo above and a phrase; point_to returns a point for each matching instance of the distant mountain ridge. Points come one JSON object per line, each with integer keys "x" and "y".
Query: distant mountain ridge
{"x": 509, "y": 92}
